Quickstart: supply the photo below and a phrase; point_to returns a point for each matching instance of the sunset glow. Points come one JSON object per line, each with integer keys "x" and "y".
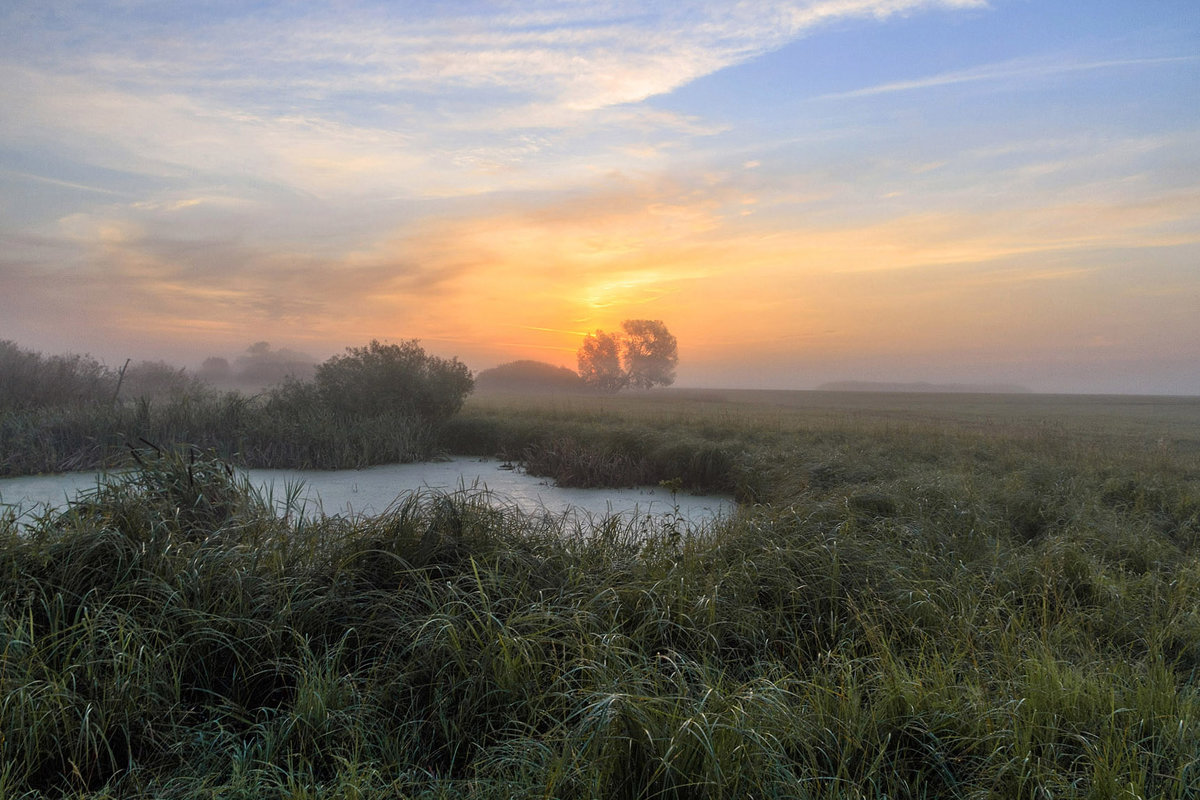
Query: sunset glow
{"x": 996, "y": 191}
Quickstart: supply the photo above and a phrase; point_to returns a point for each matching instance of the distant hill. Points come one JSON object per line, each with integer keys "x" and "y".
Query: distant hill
{"x": 535, "y": 376}
{"x": 932, "y": 388}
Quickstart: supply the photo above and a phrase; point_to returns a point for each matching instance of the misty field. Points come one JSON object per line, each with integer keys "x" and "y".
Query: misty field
{"x": 921, "y": 596}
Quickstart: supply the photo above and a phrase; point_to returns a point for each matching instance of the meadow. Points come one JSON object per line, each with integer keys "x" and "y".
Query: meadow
{"x": 922, "y": 596}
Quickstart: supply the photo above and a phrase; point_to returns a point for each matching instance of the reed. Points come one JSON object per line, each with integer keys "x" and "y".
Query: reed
{"x": 261, "y": 431}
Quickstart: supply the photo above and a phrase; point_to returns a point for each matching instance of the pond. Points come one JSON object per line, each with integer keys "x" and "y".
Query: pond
{"x": 372, "y": 490}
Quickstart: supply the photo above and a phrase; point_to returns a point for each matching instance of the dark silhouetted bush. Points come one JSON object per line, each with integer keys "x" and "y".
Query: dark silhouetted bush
{"x": 393, "y": 378}
{"x": 29, "y": 379}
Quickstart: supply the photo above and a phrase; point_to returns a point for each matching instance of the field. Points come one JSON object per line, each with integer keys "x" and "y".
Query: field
{"x": 923, "y": 596}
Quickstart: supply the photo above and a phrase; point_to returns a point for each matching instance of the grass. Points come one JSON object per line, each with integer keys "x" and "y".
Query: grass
{"x": 982, "y": 598}
{"x": 263, "y": 431}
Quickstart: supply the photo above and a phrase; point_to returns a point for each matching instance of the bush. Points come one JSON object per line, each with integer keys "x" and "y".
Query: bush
{"x": 158, "y": 379}
{"x": 29, "y": 379}
{"x": 393, "y": 378}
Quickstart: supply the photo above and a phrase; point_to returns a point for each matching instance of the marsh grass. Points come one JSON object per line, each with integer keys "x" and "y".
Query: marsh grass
{"x": 265, "y": 431}
{"x": 968, "y": 607}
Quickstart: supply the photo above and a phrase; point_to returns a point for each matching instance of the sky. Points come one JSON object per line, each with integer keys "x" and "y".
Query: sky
{"x": 950, "y": 191}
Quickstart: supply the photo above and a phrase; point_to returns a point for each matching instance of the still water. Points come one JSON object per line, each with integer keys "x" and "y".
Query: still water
{"x": 370, "y": 491}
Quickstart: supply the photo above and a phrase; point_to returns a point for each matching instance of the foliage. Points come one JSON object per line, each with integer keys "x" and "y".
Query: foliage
{"x": 643, "y": 356}
{"x": 649, "y": 353}
{"x": 599, "y": 360}
{"x": 377, "y": 404}
{"x": 29, "y": 379}
{"x": 393, "y": 378}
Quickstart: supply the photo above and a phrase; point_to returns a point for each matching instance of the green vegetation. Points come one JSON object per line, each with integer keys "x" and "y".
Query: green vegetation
{"x": 392, "y": 379}
{"x": 993, "y": 597}
{"x": 30, "y": 380}
{"x": 373, "y": 405}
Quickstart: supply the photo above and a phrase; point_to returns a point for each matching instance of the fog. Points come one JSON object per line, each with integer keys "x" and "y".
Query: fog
{"x": 263, "y": 360}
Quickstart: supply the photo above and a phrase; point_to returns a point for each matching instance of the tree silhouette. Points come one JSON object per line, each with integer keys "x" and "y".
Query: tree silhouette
{"x": 649, "y": 353}
{"x": 643, "y": 356}
{"x": 600, "y": 362}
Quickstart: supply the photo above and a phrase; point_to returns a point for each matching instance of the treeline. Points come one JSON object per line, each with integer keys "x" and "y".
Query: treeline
{"x": 29, "y": 379}
{"x": 380, "y": 403}
{"x": 258, "y": 367}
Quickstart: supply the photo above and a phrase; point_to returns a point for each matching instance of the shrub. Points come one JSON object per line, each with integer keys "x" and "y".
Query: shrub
{"x": 29, "y": 379}
{"x": 393, "y": 378}
{"x": 158, "y": 379}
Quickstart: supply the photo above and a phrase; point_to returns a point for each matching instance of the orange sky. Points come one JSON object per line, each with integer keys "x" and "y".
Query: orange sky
{"x": 899, "y": 190}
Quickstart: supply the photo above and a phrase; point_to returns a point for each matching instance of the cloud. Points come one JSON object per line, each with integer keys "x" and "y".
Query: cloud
{"x": 1007, "y": 71}
{"x": 395, "y": 65}
{"x": 136, "y": 279}
{"x": 373, "y": 99}
{"x": 171, "y": 136}
{"x": 67, "y": 184}
{"x": 492, "y": 172}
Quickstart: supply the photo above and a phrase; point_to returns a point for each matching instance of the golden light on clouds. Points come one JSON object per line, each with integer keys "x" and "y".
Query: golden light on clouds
{"x": 795, "y": 187}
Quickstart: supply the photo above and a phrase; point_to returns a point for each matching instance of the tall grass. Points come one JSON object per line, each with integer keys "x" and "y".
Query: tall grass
{"x": 941, "y": 615}
{"x": 251, "y": 431}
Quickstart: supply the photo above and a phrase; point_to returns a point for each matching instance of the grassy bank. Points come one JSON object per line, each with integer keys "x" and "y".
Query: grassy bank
{"x": 977, "y": 599}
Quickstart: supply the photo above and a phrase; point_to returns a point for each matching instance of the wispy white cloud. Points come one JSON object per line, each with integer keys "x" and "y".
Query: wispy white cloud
{"x": 577, "y": 56}
{"x": 1007, "y": 71}
{"x": 58, "y": 182}
{"x": 384, "y": 99}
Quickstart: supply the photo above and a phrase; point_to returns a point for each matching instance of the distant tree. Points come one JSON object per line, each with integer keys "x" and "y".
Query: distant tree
{"x": 649, "y": 353}
{"x": 599, "y": 360}
{"x": 215, "y": 370}
{"x": 393, "y": 378}
{"x": 261, "y": 365}
{"x": 644, "y": 355}
{"x": 152, "y": 379}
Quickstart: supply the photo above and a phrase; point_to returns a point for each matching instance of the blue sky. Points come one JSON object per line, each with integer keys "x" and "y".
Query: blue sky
{"x": 938, "y": 190}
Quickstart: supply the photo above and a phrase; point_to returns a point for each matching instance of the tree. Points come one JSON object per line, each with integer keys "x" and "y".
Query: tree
{"x": 215, "y": 370}
{"x": 649, "y": 353}
{"x": 152, "y": 379}
{"x": 643, "y": 356}
{"x": 600, "y": 362}
{"x": 261, "y": 365}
